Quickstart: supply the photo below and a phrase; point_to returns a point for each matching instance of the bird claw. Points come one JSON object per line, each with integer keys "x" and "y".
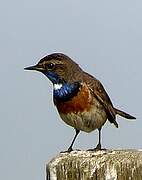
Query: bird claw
{"x": 97, "y": 148}
{"x": 69, "y": 150}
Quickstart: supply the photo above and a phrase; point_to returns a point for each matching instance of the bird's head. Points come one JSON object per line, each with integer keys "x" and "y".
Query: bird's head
{"x": 58, "y": 68}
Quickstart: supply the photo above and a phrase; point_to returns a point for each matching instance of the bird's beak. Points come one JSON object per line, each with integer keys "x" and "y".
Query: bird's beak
{"x": 36, "y": 67}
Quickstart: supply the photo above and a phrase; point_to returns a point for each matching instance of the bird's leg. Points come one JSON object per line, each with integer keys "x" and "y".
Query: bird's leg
{"x": 98, "y": 147}
{"x": 70, "y": 148}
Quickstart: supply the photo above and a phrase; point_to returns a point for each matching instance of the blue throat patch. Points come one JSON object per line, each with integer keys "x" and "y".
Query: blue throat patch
{"x": 66, "y": 92}
{"x": 53, "y": 77}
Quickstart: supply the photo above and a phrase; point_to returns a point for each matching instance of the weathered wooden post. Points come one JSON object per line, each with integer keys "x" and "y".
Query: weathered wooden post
{"x": 99, "y": 165}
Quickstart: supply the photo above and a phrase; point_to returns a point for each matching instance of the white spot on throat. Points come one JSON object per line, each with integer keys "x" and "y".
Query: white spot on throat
{"x": 57, "y": 86}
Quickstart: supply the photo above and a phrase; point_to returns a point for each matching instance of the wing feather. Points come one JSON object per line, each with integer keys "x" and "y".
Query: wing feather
{"x": 99, "y": 92}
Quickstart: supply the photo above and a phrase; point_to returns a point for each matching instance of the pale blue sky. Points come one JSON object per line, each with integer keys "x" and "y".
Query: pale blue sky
{"x": 104, "y": 37}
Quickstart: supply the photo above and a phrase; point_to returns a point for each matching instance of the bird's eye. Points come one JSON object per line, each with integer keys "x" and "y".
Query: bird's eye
{"x": 50, "y": 66}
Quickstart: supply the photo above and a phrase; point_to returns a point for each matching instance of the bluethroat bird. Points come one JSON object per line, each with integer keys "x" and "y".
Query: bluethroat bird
{"x": 80, "y": 98}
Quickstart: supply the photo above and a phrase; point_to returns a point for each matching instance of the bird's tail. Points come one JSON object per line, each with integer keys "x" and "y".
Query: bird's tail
{"x": 123, "y": 114}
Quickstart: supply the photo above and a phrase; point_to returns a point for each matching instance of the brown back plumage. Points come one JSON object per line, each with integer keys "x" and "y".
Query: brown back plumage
{"x": 99, "y": 92}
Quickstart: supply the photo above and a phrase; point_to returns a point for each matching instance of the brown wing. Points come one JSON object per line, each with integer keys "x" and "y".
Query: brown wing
{"x": 99, "y": 92}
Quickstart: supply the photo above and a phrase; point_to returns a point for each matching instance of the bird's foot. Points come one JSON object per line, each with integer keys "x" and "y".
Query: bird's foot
{"x": 69, "y": 150}
{"x": 97, "y": 148}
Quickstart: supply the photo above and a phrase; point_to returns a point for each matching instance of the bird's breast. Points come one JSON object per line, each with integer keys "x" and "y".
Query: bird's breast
{"x": 79, "y": 103}
{"x": 83, "y": 111}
